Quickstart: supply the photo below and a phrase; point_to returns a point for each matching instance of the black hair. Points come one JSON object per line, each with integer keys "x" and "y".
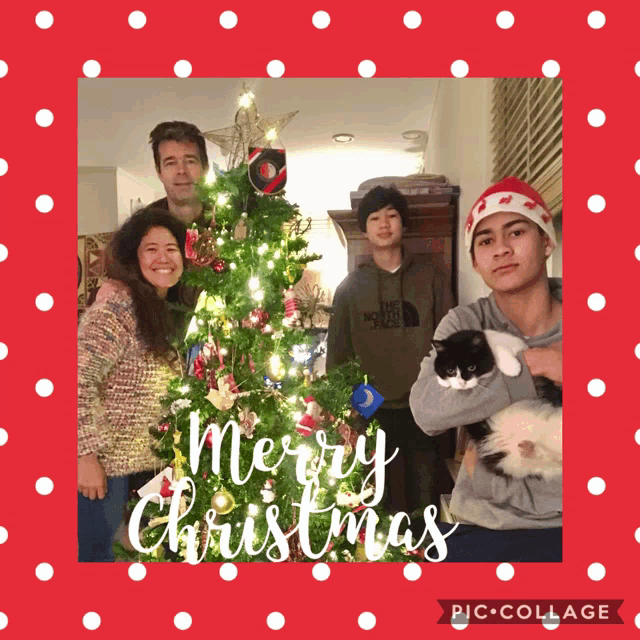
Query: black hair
{"x": 158, "y": 324}
{"x": 180, "y": 132}
{"x": 378, "y": 198}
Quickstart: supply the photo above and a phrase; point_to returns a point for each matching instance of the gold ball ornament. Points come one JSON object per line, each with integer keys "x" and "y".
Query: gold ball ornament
{"x": 222, "y": 502}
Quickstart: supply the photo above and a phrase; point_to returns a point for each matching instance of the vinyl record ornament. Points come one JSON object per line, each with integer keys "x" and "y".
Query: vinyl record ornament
{"x": 267, "y": 169}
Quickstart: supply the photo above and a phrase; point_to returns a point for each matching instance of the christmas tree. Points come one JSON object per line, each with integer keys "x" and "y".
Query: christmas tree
{"x": 263, "y": 462}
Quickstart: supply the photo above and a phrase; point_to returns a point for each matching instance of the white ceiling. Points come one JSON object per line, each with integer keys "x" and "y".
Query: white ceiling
{"x": 115, "y": 117}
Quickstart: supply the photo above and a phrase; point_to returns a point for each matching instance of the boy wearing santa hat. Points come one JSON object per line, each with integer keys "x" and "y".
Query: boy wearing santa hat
{"x": 509, "y": 235}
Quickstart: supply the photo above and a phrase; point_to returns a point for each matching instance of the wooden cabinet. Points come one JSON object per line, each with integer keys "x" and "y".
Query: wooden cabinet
{"x": 432, "y": 229}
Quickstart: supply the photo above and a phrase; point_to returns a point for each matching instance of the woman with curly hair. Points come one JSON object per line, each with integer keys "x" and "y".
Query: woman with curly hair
{"x": 125, "y": 361}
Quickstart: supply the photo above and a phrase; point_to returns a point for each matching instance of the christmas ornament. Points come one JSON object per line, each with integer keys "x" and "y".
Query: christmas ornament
{"x": 241, "y": 228}
{"x": 222, "y": 398}
{"x": 222, "y": 502}
{"x": 291, "y": 312}
{"x": 311, "y": 418}
{"x": 248, "y": 130}
{"x": 271, "y": 383}
{"x": 166, "y": 491}
{"x": 257, "y": 319}
{"x": 219, "y": 265}
{"x": 178, "y": 405}
{"x": 301, "y": 353}
{"x": 310, "y": 303}
{"x": 276, "y": 368}
{"x": 267, "y": 169}
{"x": 351, "y": 499}
{"x": 200, "y": 247}
{"x": 268, "y": 494}
{"x": 349, "y": 437}
{"x": 366, "y": 400}
{"x": 247, "y": 420}
{"x": 178, "y": 458}
{"x": 163, "y": 427}
{"x": 156, "y": 484}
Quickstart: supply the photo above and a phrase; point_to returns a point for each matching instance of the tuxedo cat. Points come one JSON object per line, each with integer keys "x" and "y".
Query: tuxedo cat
{"x": 523, "y": 440}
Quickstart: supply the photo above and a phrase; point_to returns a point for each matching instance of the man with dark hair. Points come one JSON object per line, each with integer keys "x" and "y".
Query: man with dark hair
{"x": 180, "y": 156}
{"x": 385, "y": 313}
{"x": 509, "y": 236}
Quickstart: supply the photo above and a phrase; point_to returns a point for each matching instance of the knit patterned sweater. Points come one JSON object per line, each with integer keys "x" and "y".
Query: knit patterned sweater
{"x": 120, "y": 384}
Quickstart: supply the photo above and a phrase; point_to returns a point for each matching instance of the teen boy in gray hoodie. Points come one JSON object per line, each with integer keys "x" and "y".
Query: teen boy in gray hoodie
{"x": 509, "y": 235}
{"x": 385, "y": 312}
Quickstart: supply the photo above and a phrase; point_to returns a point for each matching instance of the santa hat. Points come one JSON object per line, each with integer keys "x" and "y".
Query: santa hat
{"x": 514, "y": 196}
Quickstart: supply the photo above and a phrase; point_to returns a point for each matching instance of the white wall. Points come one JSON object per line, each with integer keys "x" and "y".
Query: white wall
{"x": 459, "y": 148}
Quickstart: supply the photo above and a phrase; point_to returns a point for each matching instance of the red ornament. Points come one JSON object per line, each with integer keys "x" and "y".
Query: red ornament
{"x": 219, "y": 265}
{"x": 163, "y": 427}
{"x": 209, "y": 440}
{"x": 257, "y": 319}
{"x": 165, "y": 490}
{"x": 200, "y": 249}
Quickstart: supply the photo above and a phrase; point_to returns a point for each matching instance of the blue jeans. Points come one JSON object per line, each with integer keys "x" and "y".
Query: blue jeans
{"x": 98, "y": 521}
{"x": 470, "y": 543}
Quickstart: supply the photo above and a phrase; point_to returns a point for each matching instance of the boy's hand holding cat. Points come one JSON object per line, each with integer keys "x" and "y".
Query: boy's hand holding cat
{"x": 545, "y": 361}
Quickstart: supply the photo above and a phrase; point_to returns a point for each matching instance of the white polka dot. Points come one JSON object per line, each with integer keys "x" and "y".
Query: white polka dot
{"x": 321, "y": 19}
{"x": 4, "y": 253}
{"x": 91, "y": 68}
{"x": 275, "y": 69}
{"x": 505, "y": 19}
{"x": 551, "y": 620}
{"x": 44, "y": 19}
{"x": 412, "y": 571}
{"x": 44, "y": 571}
{"x": 91, "y": 620}
{"x": 459, "y": 69}
{"x": 596, "y": 302}
{"x": 366, "y": 621}
{"x": 228, "y": 571}
{"x": 137, "y": 571}
{"x": 636, "y": 253}
{"x": 412, "y": 19}
{"x": 44, "y": 117}
{"x": 4, "y": 166}
{"x": 4, "y": 68}
{"x": 551, "y": 69}
{"x": 505, "y": 571}
{"x": 596, "y": 571}
{"x": 4, "y": 621}
{"x": 44, "y": 486}
{"x": 596, "y": 19}
{"x": 228, "y": 19}
{"x": 182, "y": 68}
{"x": 321, "y": 571}
{"x": 44, "y": 388}
{"x": 596, "y": 486}
{"x": 367, "y": 69}
{"x": 275, "y": 621}
{"x": 596, "y": 387}
{"x": 596, "y": 117}
{"x": 637, "y": 68}
{"x": 44, "y": 301}
{"x": 137, "y": 19}
{"x": 459, "y": 622}
{"x": 44, "y": 203}
{"x": 596, "y": 204}
{"x": 637, "y": 621}
{"x": 4, "y": 436}
{"x": 637, "y": 351}
{"x": 637, "y": 436}
{"x": 637, "y": 167}
{"x": 182, "y": 620}
{"x": 4, "y": 351}
{"x": 4, "y": 534}
{"x": 637, "y": 535}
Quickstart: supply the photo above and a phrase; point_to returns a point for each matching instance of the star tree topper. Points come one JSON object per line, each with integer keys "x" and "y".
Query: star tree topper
{"x": 249, "y": 130}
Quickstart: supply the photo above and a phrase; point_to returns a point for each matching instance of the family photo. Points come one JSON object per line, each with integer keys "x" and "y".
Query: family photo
{"x": 320, "y": 320}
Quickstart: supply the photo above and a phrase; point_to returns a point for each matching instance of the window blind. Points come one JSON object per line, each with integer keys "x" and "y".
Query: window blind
{"x": 526, "y": 134}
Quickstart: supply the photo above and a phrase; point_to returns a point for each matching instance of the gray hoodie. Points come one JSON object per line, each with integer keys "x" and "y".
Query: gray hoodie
{"x": 388, "y": 319}
{"x": 481, "y": 497}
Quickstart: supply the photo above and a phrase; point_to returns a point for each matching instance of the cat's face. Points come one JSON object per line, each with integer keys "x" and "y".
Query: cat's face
{"x": 463, "y": 360}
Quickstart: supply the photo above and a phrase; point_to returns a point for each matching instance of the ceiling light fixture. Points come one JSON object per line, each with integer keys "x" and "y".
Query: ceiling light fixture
{"x": 413, "y": 134}
{"x": 344, "y": 137}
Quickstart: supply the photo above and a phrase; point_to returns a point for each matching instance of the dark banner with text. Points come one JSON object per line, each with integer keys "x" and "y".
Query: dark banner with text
{"x": 530, "y": 611}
